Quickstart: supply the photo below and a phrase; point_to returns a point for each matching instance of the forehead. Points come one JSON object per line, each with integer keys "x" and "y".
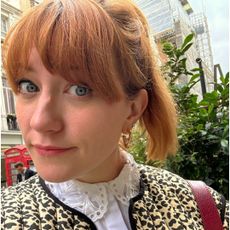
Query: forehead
{"x": 36, "y": 66}
{"x": 34, "y": 60}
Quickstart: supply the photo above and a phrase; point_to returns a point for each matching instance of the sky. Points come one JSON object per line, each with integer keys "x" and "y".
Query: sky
{"x": 217, "y": 12}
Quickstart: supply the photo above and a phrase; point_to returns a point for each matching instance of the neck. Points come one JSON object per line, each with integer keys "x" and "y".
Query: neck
{"x": 107, "y": 171}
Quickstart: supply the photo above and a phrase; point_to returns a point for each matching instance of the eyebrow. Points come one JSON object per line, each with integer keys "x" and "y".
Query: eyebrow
{"x": 30, "y": 69}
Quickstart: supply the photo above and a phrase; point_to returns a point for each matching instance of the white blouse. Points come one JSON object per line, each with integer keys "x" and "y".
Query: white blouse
{"x": 107, "y": 203}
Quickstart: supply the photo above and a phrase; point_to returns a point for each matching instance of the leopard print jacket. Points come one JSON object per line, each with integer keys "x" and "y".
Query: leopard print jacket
{"x": 165, "y": 201}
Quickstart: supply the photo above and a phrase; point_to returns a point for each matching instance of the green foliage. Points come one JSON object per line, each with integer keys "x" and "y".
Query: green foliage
{"x": 203, "y": 129}
{"x": 203, "y": 134}
{"x": 176, "y": 65}
{"x": 138, "y": 146}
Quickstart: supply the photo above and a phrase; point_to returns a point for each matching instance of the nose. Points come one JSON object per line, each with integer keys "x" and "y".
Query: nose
{"x": 46, "y": 116}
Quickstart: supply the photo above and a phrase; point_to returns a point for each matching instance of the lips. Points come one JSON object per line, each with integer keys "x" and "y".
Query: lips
{"x": 51, "y": 150}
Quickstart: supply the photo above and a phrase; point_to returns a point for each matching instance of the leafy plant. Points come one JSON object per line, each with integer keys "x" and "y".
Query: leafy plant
{"x": 203, "y": 135}
{"x": 203, "y": 129}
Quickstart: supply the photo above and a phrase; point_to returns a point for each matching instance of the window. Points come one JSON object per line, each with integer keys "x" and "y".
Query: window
{"x": 9, "y": 100}
{"x": 4, "y": 81}
{"x": 4, "y": 24}
{"x": 34, "y": 2}
{"x": 10, "y": 109}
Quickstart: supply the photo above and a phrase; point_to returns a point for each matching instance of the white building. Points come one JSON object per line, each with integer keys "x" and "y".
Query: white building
{"x": 173, "y": 20}
{"x": 11, "y": 11}
{"x": 203, "y": 45}
{"x": 10, "y": 135}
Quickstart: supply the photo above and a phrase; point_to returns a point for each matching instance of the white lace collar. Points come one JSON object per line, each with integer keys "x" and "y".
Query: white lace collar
{"x": 92, "y": 199}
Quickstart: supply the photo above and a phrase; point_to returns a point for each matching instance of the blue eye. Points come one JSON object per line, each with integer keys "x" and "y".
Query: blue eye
{"x": 26, "y": 86}
{"x": 79, "y": 90}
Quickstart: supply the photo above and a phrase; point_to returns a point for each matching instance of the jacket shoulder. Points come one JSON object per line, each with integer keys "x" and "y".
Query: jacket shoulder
{"x": 20, "y": 189}
{"x": 162, "y": 179}
{"x": 11, "y": 202}
{"x": 162, "y": 183}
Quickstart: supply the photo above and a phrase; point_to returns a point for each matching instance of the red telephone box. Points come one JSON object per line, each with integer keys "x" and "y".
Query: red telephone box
{"x": 12, "y": 156}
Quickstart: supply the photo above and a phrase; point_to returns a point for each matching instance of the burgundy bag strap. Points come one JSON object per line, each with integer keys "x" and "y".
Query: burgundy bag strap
{"x": 207, "y": 206}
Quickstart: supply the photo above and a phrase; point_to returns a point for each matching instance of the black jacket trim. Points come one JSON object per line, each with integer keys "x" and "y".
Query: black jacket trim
{"x": 74, "y": 211}
{"x": 132, "y": 201}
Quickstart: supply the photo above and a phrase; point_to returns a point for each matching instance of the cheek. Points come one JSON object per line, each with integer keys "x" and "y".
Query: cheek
{"x": 97, "y": 123}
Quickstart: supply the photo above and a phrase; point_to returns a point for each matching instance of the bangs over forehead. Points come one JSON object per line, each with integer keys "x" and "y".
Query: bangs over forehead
{"x": 69, "y": 35}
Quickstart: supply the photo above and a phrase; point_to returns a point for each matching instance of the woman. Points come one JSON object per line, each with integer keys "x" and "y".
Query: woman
{"x": 83, "y": 73}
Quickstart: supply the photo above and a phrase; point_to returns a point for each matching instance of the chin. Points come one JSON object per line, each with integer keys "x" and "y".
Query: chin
{"x": 55, "y": 176}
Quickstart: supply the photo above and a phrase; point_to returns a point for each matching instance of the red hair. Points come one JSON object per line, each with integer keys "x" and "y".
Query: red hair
{"x": 109, "y": 41}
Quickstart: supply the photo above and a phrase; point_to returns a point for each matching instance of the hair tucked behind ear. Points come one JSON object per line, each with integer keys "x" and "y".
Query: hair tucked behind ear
{"x": 139, "y": 67}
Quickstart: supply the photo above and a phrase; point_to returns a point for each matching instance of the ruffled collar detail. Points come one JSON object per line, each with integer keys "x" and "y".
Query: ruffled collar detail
{"x": 93, "y": 199}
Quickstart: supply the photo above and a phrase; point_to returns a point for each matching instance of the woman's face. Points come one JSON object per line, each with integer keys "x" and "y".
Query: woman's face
{"x": 54, "y": 114}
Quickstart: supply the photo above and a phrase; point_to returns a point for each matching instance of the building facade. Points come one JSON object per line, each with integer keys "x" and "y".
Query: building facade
{"x": 173, "y": 20}
{"x": 10, "y": 134}
{"x": 203, "y": 46}
{"x": 11, "y": 11}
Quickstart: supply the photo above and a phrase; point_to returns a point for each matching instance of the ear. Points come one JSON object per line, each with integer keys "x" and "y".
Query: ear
{"x": 137, "y": 106}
